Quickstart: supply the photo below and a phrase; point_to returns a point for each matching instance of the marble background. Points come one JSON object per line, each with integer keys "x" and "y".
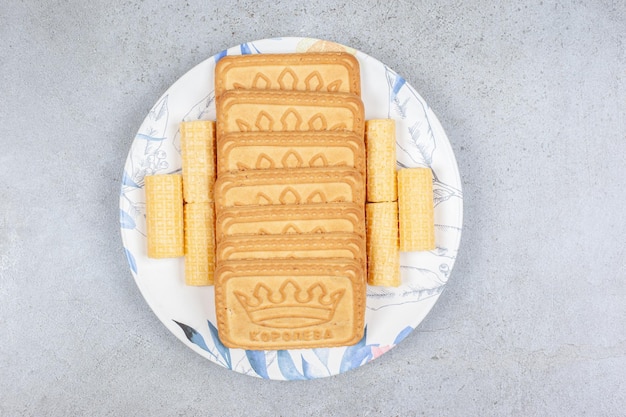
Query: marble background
{"x": 532, "y": 95}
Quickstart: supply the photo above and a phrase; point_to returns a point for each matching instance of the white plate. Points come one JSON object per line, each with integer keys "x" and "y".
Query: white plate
{"x": 392, "y": 313}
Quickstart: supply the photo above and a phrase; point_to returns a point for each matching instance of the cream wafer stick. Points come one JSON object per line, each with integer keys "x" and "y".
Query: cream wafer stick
{"x": 199, "y": 243}
{"x": 164, "y": 216}
{"x": 383, "y": 256}
{"x": 197, "y": 142}
{"x": 380, "y": 142}
{"x": 416, "y": 209}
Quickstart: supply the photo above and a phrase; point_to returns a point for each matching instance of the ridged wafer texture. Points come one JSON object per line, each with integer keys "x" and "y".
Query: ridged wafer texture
{"x": 330, "y": 72}
{"x": 289, "y": 186}
{"x": 270, "y": 150}
{"x": 416, "y": 209}
{"x": 281, "y": 111}
{"x": 383, "y": 255}
{"x": 291, "y": 219}
{"x": 199, "y": 243}
{"x": 164, "y": 215}
{"x": 197, "y": 142}
{"x": 380, "y": 142}
{"x": 290, "y": 304}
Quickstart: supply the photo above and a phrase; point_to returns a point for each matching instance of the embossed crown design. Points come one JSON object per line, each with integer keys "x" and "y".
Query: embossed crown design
{"x": 291, "y": 120}
{"x": 288, "y": 80}
{"x": 290, "y": 306}
{"x": 290, "y": 159}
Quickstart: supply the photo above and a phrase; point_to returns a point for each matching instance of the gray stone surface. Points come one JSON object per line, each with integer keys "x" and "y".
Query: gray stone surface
{"x": 533, "y": 97}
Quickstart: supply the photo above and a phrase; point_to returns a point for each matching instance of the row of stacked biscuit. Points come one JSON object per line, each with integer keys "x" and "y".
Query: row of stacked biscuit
{"x": 274, "y": 207}
{"x": 290, "y": 150}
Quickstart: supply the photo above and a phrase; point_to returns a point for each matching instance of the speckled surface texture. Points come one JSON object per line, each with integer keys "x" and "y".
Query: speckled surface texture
{"x": 533, "y": 98}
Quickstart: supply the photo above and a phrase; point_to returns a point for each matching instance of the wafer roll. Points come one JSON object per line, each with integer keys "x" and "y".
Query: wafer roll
{"x": 197, "y": 142}
{"x": 199, "y": 243}
{"x": 383, "y": 256}
{"x": 416, "y": 209}
{"x": 164, "y": 216}
{"x": 380, "y": 142}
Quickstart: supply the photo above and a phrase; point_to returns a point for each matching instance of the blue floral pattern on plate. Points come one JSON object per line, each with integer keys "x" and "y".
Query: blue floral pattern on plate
{"x": 392, "y": 313}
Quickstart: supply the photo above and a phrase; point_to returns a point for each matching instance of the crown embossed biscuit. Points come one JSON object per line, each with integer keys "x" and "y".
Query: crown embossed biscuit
{"x": 269, "y": 150}
{"x": 383, "y": 253}
{"x": 292, "y": 246}
{"x": 279, "y": 111}
{"x": 289, "y": 186}
{"x": 290, "y": 304}
{"x": 331, "y": 72}
{"x": 291, "y": 219}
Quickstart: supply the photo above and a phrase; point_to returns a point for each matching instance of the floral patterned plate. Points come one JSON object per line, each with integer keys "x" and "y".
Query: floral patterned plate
{"x": 392, "y": 313}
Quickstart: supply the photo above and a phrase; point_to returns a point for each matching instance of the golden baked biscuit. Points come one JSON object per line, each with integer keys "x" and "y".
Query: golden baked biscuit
{"x": 331, "y": 72}
{"x": 291, "y": 219}
{"x": 270, "y": 150}
{"x": 290, "y": 304}
{"x": 197, "y": 151}
{"x": 280, "y": 111}
{"x": 289, "y": 186}
{"x": 292, "y": 246}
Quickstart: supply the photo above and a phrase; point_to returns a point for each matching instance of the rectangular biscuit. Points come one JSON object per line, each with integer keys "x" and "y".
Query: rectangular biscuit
{"x": 290, "y": 304}
{"x": 289, "y": 186}
{"x": 164, "y": 215}
{"x": 383, "y": 254}
{"x": 292, "y": 246}
{"x": 277, "y": 220}
{"x": 268, "y": 150}
{"x": 416, "y": 209}
{"x": 322, "y": 71}
{"x": 380, "y": 142}
{"x": 199, "y": 243}
{"x": 276, "y": 111}
{"x": 197, "y": 151}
